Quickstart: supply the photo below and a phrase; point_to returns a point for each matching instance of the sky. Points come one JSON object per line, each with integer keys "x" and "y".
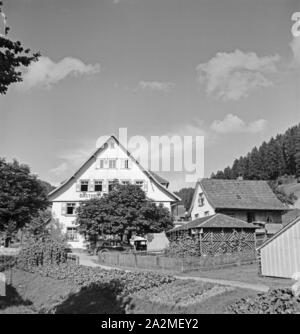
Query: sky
{"x": 227, "y": 70}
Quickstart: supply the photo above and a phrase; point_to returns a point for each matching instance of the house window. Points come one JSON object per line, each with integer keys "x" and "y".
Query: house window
{"x": 71, "y": 208}
{"x": 139, "y": 183}
{"x": 84, "y": 185}
{"x": 98, "y": 186}
{"x": 110, "y": 185}
{"x": 125, "y": 182}
{"x": 201, "y": 199}
{"x": 72, "y": 234}
{"x": 206, "y": 213}
{"x": 112, "y": 163}
{"x": 126, "y": 164}
{"x": 101, "y": 163}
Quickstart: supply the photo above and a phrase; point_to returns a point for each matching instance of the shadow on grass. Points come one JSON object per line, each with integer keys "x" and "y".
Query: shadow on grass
{"x": 12, "y": 298}
{"x": 92, "y": 299}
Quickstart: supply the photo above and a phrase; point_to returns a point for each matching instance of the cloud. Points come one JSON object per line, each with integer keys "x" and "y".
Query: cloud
{"x": 233, "y": 124}
{"x": 155, "y": 86}
{"x": 60, "y": 169}
{"x": 45, "y": 72}
{"x": 232, "y": 76}
{"x": 295, "y": 46}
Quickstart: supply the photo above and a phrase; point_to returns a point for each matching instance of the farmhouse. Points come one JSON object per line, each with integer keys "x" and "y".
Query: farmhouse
{"x": 213, "y": 235}
{"x": 250, "y": 201}
{"x": 280, "y": 255}
{"x": 96, "y": 177}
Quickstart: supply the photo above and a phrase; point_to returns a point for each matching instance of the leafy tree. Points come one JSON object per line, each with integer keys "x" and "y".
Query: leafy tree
{"x": 186, "y": 195}
{"x": 22, "y": 196}
{"x": 123, "y": 211}
{"x": 37, "y": 227}
{"x": 13, "y": 56}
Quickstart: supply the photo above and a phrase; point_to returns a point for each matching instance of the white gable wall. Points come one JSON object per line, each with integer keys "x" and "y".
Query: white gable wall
{"x": 70, "y": 192}
{"x": 200, "y": 211}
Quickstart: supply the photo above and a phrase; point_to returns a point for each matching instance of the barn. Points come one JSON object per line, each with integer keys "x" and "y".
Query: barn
{"x": 280, "y": 255}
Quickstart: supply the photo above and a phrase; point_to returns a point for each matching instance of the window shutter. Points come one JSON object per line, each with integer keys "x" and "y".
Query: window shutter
{"x": 145, "y": 186}
{"x": 122, "y": 163}
{"x": 64, "y": 208}
{"x": 98, "y": 164}
{"x": 91, "y": 185}
{"x": 105, "y": 186}
{"x": 78, "y": 186}
{"x": 129, "y": 163}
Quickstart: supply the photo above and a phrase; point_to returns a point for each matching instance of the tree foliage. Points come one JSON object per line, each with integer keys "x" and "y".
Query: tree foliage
{"x": 22, "y": 196}
{"x": 186, "y": 195}
{"x": 278, "y": 157}
{"x": 13, "y": 56}
{"x": 123, "y": 211}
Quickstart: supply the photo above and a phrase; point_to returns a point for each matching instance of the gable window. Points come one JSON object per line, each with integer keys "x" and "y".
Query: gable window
{"x": 125, "y": 182}
{"x": 71, "y": 208}
{"x": 101, "y": 163}
{"x": 112, "y": 144}
{"x": 84, "y": 185}
{"x": 126, "y": 164}
{"x": 139, "y": 183}
{"x": 98, "y": 186}
{"x": 201, "y": 199}
{"x": 72, "y": 234}
{"x": 112, "y": 163}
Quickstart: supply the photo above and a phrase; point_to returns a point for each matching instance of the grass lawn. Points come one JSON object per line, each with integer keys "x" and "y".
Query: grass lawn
{"x": 245, "y": 273}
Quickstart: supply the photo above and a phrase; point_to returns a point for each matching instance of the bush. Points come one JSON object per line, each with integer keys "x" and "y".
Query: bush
{"x": 277, "y": 301}
{"x": 41, "y": 252}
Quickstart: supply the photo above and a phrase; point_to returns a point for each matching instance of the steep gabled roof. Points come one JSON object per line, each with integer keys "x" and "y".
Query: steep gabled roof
{"x": 160, "y": 179}
{"x": 240, "y": 194}
{"x": 286, "y": 227}
{"x": 151, "y": 175}
{"x": 215, "y": 221}
{"x": 291, "y": 215}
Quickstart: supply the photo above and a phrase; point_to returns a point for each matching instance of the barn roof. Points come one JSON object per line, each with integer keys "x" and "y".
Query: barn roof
{"x": 240, "y": 194}
{"x": 275, "y": 236}
{"x": 215, "y": 221}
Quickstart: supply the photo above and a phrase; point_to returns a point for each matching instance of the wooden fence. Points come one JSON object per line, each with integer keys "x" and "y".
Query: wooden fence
{"x": 158, "y": 262}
